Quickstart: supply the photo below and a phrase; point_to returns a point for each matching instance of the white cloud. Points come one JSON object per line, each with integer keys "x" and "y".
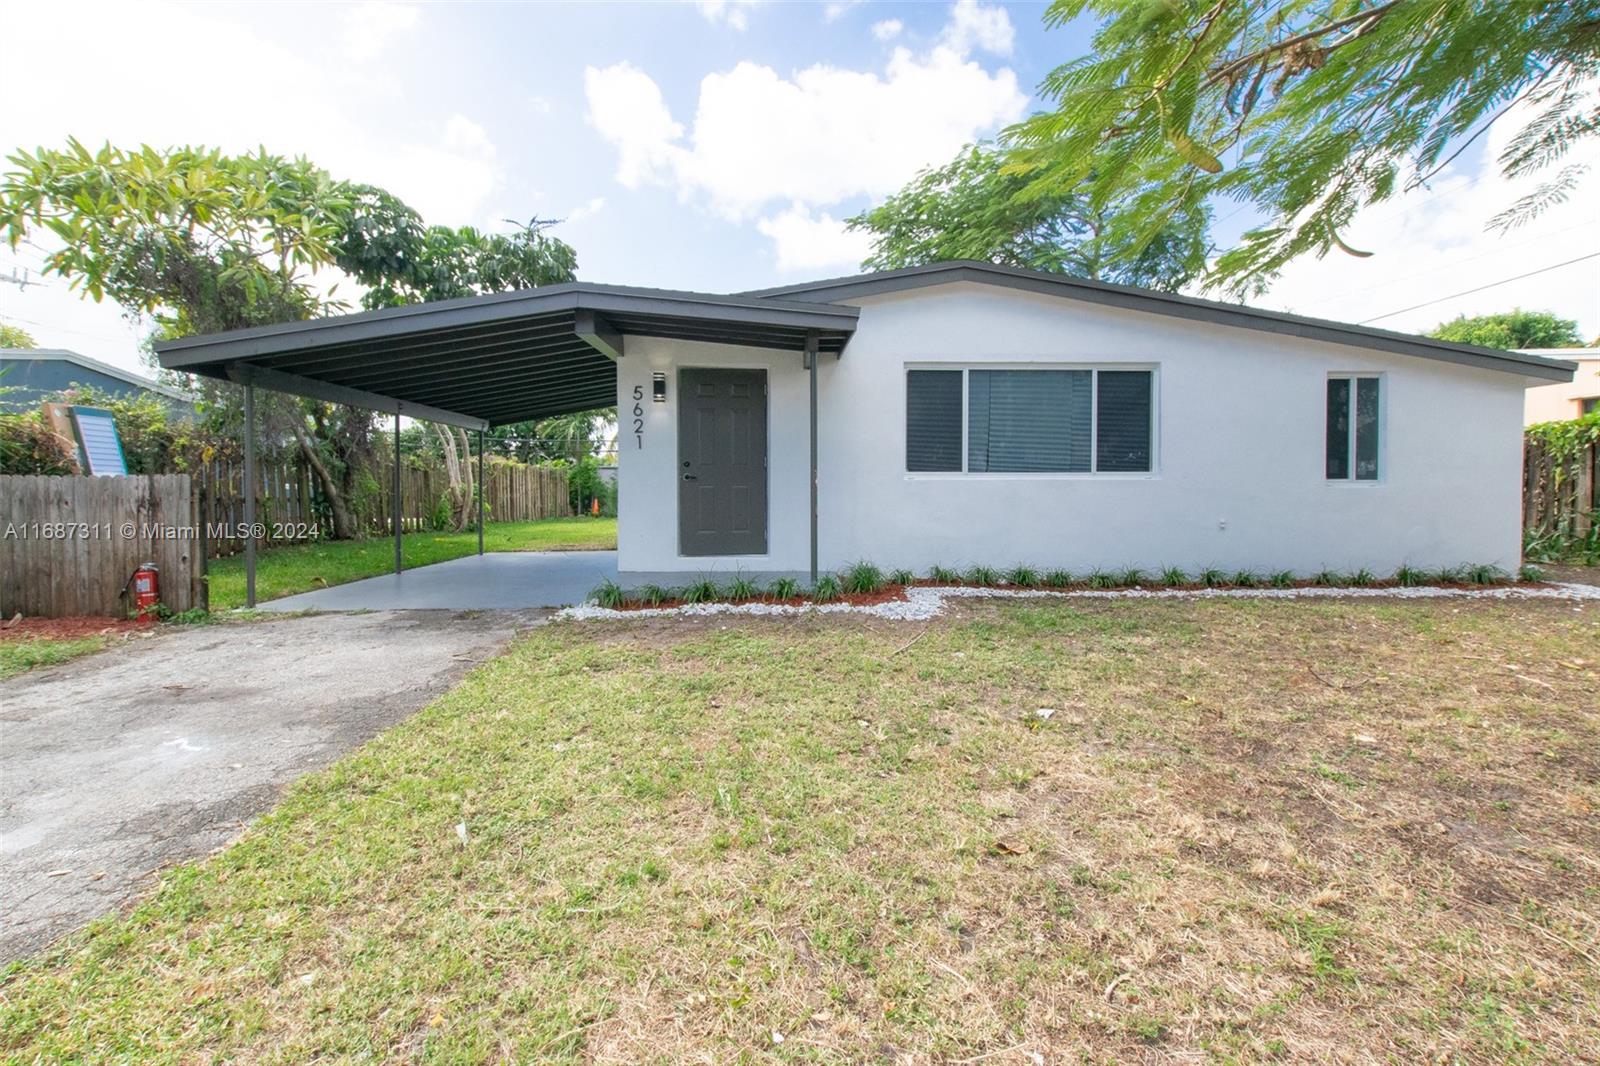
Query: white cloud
{"x": 626, "y": 108}
{"x": 1433, "y": 242}
{"x": 813, "y": 139}
{"x": 369, "y": 27}
{"x": 803, "y": 242}
{"x": 586, "y": 210}
{"x": 458, "y": 165}
{"x": 735, "y": 13}
{"x": 888, "y": 29}
{"x": 834, "y": 11}
{"x": 974, "y": 25}
{"x": 461, "y": 134}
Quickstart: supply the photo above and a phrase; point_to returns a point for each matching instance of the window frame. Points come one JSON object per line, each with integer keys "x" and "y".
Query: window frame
{"x": 1350, "y": 478}
{"x": 966, "y": 368}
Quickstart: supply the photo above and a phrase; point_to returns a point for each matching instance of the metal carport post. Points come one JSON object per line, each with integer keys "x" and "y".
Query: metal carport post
{"x": 811, "y": 364}
{"x": 249, "y": 496}
{"x": 394, "y": 508}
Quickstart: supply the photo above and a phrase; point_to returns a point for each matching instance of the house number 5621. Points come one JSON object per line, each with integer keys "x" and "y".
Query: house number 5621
{"x": 638, "y": 416}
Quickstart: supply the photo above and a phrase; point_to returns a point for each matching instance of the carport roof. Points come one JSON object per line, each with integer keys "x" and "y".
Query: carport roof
{"x": 489, "y": 360}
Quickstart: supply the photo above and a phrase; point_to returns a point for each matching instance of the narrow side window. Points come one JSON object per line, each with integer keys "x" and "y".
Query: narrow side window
{"x": 1122, "y": 443}
{"x": 933, "y": 420}
{"x": 1366, "y": 429}
{"x": 1338, "y": 429}
{"x": 1353, "y": 428}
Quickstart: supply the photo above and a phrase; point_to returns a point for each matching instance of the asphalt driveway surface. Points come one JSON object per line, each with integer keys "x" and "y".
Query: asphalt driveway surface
{"x": 160, "y": 750}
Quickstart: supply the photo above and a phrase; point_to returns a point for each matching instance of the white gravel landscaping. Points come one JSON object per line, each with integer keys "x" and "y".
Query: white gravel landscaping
{"x": 925, "y": 602}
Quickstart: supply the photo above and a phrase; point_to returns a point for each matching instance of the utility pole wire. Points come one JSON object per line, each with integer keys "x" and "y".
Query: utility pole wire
{"x": 1480, "y": 288}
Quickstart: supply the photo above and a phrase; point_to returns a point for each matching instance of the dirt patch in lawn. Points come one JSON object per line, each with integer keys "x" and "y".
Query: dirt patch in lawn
{"x": 69, "y": 628}
{"x": 1577, "y": 575}
{"x": 1132, "y": 831}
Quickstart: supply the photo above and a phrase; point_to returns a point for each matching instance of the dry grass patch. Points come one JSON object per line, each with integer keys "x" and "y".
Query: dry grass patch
{"x": 1243, "y": 831}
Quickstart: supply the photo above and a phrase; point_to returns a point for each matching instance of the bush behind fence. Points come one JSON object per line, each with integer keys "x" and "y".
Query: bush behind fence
{"x": 1560, "y": 490}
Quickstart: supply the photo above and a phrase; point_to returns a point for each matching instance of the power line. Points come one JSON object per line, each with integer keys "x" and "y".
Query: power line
{"x": 1325, "y": 301}
{"x": 1480, "y": 288}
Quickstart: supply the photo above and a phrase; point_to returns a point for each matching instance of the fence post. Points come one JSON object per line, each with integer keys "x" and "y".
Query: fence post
{"x": 202, "y": 564}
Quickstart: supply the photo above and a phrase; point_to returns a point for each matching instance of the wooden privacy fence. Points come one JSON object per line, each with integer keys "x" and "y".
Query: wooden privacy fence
{"x": 68, "y": 545}
{"x": 285, "y": 495}
{"x": 1559, "y": 495}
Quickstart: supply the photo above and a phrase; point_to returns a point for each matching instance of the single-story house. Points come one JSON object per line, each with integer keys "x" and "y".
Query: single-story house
{"x": 32, "y": 374}
{"x": 1569, "y": 399}
{"x": 962, "y": 413}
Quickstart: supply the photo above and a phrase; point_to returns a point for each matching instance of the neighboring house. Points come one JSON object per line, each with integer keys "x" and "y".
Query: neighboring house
{"x": 1580, "y": 396}
{"x": 964, "y": 413}
{"x": 39, "y": 372}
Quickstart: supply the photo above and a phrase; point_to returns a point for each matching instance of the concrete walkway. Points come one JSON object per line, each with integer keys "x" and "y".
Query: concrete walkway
{"x": 162, "y": 748}
{"x": 493, "y": 582}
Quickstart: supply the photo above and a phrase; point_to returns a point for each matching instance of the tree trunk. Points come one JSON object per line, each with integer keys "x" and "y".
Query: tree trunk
{"x": 344, "y": 524}
{"x": 469, "y": 477}
{"x": 459, "y": 472}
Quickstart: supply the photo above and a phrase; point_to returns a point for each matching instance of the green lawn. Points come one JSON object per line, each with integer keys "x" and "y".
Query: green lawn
{"x": 17, "y": 656}
{"x": 1244, "y": 831}
{"x": 303, "y": 567}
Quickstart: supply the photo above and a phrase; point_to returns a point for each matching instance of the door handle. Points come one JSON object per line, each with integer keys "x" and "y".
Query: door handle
{"x": 690, "y": 477}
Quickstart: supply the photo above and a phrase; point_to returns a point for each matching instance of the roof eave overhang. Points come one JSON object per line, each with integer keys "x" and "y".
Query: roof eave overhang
{"x": 483, "y": 310}
{"x": 892, "y": 281}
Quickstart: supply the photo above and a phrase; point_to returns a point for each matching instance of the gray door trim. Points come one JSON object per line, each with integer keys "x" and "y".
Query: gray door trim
{"x": 694, "y": 541}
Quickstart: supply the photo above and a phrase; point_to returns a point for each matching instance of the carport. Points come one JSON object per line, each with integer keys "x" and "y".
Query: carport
{"x": 491, "y": 360}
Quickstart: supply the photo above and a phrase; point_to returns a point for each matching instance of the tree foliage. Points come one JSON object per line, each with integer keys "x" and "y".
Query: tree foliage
{"x": 199, "y": 240}
{"x": 387, "y": 247}
{"x": 1511, "y": 330}
{"x": 974, "y": 208}
{"x": 1566, "y": 438}
{"x": 15, "y": 337}
{"x": 204, "y": 242}
{"x": 1308, "y": 110}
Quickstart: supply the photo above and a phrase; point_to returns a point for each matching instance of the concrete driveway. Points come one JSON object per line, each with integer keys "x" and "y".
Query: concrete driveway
{"x": 160, "y": 750}
{"x": 492, "y": 582}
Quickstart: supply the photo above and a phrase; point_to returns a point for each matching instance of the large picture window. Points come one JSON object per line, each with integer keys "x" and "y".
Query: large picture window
{"x": 1352, "y": 434}
{"x": 1029, "y": 421}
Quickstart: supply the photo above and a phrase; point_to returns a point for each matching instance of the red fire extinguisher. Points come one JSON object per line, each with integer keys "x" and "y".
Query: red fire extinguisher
{"x": 146, "y": 583}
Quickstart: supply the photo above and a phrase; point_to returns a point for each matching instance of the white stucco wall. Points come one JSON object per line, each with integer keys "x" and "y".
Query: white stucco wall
{"x": 1239, "y": 451}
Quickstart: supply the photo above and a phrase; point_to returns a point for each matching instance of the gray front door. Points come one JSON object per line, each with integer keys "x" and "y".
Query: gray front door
{"x": 722, "y": 462}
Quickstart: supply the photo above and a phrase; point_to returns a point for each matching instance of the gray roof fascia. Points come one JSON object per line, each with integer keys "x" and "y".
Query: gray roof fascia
{"x": 1193, "y": 308}
{"x": 569, "y": 297}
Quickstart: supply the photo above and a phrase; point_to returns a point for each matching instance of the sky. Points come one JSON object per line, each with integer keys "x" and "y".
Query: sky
{"x": 714, "y": 145}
